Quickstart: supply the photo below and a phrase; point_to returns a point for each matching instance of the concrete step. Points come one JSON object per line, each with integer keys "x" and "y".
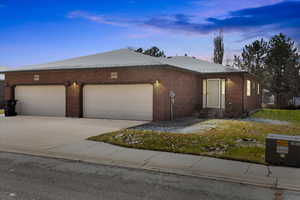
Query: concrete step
{"x": 212, "y": 113}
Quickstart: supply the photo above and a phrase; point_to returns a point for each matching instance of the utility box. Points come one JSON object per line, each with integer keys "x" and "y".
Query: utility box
{"x": 283, "y": 150}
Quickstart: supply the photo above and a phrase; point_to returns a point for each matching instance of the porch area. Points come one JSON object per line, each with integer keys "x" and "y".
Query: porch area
{"x": 213, "y": 98}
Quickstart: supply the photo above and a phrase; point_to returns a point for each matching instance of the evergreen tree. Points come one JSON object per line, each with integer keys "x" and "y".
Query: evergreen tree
{"x": 282, "y": 66}
{"x": 218, "y": 48}
{"x": 139, "y": 50}
{"x": 153, "y": 51}
{"x": 253, "y": 59}
{"x": 237, "y": 62}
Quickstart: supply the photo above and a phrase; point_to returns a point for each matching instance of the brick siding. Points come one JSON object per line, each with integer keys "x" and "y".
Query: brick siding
{"x": 1, "y": 94}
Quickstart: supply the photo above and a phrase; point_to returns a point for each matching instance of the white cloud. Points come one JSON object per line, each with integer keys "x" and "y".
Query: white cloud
{"x": 96, "y": 18}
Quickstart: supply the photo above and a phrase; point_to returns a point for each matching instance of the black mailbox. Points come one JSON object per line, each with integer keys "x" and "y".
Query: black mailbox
{"x": 283, "y": 150}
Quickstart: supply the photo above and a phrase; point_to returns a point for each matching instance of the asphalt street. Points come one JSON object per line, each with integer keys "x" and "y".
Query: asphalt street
{"x": 33, "y": 178}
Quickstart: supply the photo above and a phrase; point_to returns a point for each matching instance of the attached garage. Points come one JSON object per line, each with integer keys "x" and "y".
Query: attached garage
{"x": 45, "y": 100}
{"x": 118, "y": 101}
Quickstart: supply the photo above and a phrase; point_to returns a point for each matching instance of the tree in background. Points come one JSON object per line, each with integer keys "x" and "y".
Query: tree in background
{"x": 153, "y": 51}
{"x": 139, "y": 50}
{"x": 237, "y": 62}
{"x": 252, "y": 59}
{"x": 282, "y": 67}
{"x": 276, "y": 64}
{"x": 218, "y": 48}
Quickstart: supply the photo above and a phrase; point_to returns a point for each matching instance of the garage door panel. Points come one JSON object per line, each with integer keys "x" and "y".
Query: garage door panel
{"x": 41, "y": 100}
{"x": 132, "y": 102}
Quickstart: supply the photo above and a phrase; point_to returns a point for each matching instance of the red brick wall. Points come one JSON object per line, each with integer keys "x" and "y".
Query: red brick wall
{"x": 74, "y": 100}
{"x": 188, "y": 93}
{"x": 184, "y": 84}
{"x": 233, "y": 92}
{"x": 254, "y": 101}
{"x": 1, "y": 94}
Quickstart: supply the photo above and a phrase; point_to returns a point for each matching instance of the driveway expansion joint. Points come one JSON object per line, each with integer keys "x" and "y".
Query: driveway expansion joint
{"x": 248, "y": 168}
{"x": 276, "y": 183}
{"x": 269, "y": 172}
{"x": 146, "y": 161}
{"x": 196, "y": 162}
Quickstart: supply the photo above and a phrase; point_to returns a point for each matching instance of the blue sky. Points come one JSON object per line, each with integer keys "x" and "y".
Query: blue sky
{"x": 37, "y": 31}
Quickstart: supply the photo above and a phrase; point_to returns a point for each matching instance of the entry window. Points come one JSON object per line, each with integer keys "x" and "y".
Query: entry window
{"x": 223, "y": 86}
{"x": 204, "y": 87}
{"x": 248, "y": 88}
{"x": 204, "y": 91}
{"x": 258, "y": 89}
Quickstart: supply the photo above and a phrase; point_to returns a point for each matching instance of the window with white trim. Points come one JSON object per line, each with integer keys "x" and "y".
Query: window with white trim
{"x": 204, "y": 91}
{"x": 248, "y": 88}
{"x": 223, "y": 86}
{"x": 204, "y": 87}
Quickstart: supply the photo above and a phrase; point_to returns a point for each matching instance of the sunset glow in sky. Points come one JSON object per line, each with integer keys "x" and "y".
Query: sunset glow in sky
{"x": 38, "y": 31}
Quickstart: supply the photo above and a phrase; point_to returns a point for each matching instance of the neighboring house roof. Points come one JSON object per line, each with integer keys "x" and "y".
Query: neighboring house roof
{"x": 1, "y": 74}
{"x": 128, "y": 58}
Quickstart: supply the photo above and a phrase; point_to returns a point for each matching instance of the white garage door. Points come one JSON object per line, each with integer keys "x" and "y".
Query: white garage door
{"x": 132, "y": 102}
{"x": 48, "y": 100}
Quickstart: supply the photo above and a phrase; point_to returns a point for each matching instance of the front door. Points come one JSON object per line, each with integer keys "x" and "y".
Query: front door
{"x": 213, "y": 93}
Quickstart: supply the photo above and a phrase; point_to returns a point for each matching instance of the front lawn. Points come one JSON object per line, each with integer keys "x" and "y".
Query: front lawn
{"x": 276, "y": 114}
{"x": 231, "y": 139}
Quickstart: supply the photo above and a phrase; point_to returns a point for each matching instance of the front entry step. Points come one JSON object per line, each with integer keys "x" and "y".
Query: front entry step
{"x": 212, "y": 113}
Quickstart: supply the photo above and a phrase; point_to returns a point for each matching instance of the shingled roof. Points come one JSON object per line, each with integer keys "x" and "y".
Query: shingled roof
{"x": 129, "y": 58}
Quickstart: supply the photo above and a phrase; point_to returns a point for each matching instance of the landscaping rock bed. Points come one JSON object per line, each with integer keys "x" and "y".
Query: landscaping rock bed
{"x": 174, "y": 126}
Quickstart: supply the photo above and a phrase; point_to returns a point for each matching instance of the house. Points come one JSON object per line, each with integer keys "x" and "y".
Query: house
{"x": 295, "y": 101}
{"x": 123, "y": 84}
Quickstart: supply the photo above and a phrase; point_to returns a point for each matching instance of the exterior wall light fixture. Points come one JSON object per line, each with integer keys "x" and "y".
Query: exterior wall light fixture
{"x": 157, "y": 83}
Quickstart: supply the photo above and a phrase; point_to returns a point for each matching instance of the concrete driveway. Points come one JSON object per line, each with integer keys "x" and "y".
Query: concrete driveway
{"x": 65, "y": 138}
{"x": 39, "y": 134}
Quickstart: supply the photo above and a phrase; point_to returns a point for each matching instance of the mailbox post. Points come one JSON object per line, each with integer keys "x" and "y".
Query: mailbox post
{"x": 283, "y": 150}
{"x": 172, "y": 102}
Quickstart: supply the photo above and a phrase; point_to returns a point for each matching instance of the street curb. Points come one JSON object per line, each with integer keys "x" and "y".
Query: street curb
{"x": 205, "y": 175}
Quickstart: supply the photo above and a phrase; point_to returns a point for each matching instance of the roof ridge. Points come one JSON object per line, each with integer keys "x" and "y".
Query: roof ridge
{"x": 126, "y": 57}
{"x": 72, "y": 58}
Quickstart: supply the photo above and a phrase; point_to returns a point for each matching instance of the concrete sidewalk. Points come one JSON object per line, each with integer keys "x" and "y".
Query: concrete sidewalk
{"x": 190, "y": 165}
